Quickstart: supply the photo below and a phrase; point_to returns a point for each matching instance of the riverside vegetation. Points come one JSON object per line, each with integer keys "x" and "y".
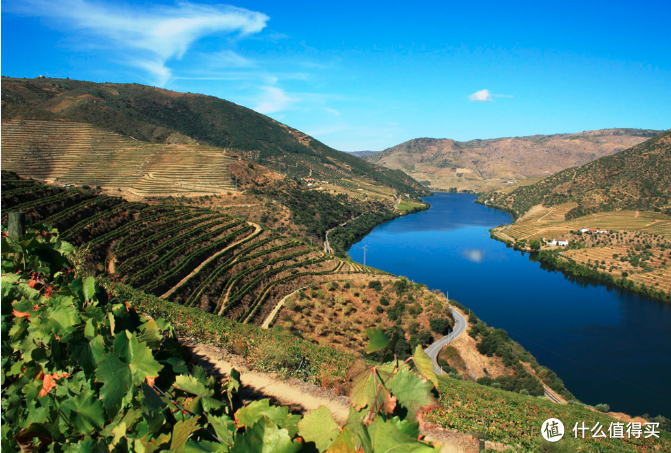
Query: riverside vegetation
{"x": 626, "y": 195}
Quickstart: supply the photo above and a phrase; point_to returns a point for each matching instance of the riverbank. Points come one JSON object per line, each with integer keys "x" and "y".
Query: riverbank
{"x": 556, "y": 318}
{"x": 600, "y": 265}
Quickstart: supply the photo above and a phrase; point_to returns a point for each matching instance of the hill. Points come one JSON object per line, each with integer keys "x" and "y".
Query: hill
{"x": 159, "y": 116}
{"x": 638, "y": 178}
{"x": 481, "y": 165}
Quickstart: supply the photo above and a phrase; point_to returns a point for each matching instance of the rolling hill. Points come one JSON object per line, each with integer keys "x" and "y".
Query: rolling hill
{"x": 638, "y": 178}
{"x": 492, "y": 164}
{"x": 151, "y": 115}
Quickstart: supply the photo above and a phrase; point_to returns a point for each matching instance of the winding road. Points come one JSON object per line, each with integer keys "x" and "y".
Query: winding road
{"x": 459, "y": 328}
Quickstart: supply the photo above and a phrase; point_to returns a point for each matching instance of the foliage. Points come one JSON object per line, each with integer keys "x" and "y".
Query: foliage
{"x": 516, "y": 420}
{"x": 85, "y": 371}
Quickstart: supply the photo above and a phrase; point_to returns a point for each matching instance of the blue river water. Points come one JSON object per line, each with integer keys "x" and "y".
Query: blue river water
{"x": 608, "y": 346}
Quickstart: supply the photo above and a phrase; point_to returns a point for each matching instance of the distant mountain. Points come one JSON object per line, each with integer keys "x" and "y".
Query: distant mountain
{"x": 638, "y": 178}
{"x": 362, "y": 153}
{"x": 159, "y": 116}
{"x": 492, "y": 164}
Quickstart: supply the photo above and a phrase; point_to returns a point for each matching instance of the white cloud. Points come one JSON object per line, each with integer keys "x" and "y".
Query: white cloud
{"x": 334, "y": 111}
{"x": 273, "y": 100}
{"x": 155, "y": 34}
{"x": 486, "y": 96}
{"x": 228, "y": 59}
{"x": 481, "y": 96}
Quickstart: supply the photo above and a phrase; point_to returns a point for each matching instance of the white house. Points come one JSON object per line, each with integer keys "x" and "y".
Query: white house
{"x": 552, "y": 241}
{"x": 562, "y": 242}
{"x": 584, "y": 230}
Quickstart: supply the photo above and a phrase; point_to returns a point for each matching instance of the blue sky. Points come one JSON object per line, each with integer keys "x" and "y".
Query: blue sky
{"x": 360, "y": 75}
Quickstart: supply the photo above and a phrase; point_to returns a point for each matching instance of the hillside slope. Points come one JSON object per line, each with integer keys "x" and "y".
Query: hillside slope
{"x": 638, "y": 178}
{"x": 161, "y": 116}
{"x": 493, "y": 164}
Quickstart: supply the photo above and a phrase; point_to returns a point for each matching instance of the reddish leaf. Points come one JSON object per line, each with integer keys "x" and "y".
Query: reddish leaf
{"x": 20, "y": 314}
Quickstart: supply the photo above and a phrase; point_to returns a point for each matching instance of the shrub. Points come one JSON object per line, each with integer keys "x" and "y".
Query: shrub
{"x": 440, "y": 325}
{"x": 602, "y": 407}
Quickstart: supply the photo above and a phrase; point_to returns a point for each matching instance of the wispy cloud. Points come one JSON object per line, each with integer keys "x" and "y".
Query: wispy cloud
{"x": 155, "y": 34}
{"x": 334, "y": 111}
{"x": 273, "y": 99}
{"x": 486, "y": 96}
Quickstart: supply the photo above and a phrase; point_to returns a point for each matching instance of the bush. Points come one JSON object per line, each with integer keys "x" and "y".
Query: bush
{"x": 602, "y": 407}
{"x": 440, "y": 325}
{"x": 376, "y": 285}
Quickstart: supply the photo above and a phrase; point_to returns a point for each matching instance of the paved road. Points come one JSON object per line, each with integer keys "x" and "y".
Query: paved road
{"x": 459, "y": 327}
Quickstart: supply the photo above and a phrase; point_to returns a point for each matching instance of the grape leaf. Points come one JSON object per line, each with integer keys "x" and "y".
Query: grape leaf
{"x": 181, "y": 433}
{"x": 252, "y": 413}
{"x": 86, "y": 412}
{"x": 89, "y": 288}
{"x": 412, "y": 391}
{"x": 376, "y": 340}
{"x": 224, "y": 427}
{"x": 368, "y": 389}
{"x": 319, "y": 427}
{"x": 116, "y": 378}
{"x": 386, "y": 437}
{"x": 138, "y": 356}
{"x": 425, "y": 365}
{"x": 265, "y": 437}
{"x": 191, "y": 385}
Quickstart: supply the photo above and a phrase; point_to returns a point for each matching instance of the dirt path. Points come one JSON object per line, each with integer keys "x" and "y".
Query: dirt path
{"x": 301, "y": 396}
{"x": 257, "y": 230}
{"x": 278, "y": 307}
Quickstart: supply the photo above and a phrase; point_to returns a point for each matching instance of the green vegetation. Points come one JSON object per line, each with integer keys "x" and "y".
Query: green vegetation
{"x": 516, "y": 420}
{"x": 83, "y": 372}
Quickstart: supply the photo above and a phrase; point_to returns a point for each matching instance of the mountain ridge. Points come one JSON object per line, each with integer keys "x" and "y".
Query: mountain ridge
{"x": 154, "y": 115}
{"x": 486, "y": 164}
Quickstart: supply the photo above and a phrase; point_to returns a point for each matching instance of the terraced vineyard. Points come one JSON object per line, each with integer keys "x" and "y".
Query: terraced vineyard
{"x": 194, "y": 256}
{"x": 81, "y": 154}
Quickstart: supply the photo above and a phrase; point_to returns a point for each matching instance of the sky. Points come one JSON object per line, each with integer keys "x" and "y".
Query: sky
{"x": 362, "y": 75}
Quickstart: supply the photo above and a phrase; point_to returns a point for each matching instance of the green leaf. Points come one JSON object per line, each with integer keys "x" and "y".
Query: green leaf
{"x": 412, "y": 391}
{"x": 252, "y": 413}
{"x": 265, "y": 437}
{"x": 89, "y": 288}
{"x": 150, "y": 334}
{"x": 181, "y": 432}
{"x": 116, "y": 378}
{"x": 191, "y": 385}
{"x": 205, "y": 446}
{"x": 386, "y": 437}
{"x": 138, "y": 356}
{"x": 224, "y": 427}
{"x": 344, "y": 443}
{"x": 151, "y": 400}
{"x": 86, "y": 412}
{"x": 319, "y": 427}
{"x": 425, "y": 365}
{"x": 368, "y": 389}
{"x": 376, "y": 340}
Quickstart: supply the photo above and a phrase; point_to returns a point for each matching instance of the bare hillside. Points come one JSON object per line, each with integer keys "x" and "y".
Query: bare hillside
{"x": 497, "y": 163}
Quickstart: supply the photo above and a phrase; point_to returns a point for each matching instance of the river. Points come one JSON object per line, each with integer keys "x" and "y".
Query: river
{"x": 608, "y": 346}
